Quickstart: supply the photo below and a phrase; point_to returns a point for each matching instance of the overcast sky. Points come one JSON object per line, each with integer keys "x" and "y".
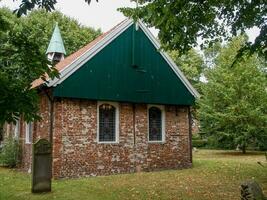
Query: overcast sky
{"x": 103, "y": 15}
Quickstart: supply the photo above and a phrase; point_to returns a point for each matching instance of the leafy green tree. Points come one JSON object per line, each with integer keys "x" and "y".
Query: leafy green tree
{"x": 22, "y": 57}
{"x": 182, "y": 22}
{"x": 20, "y": 62}
{"x": 41, "y": 24}
{"x": 191, "y": 64}
{"x": 233, "y": 106}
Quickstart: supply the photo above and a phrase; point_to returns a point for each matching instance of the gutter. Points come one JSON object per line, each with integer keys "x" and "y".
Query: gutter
{"x": 190, "y": 133}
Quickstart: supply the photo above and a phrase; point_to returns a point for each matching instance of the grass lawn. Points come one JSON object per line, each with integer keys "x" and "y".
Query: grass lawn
{"x": 215, "y": 175}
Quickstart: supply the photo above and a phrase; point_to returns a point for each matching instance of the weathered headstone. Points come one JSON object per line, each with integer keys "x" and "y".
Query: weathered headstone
{"x": 250, "y": 190}
{"x": 42, "y": 166}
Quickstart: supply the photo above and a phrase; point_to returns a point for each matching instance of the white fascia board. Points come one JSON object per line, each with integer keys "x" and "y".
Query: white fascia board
{"x": 171, "y": 63}
{"x": 81, "y": 60}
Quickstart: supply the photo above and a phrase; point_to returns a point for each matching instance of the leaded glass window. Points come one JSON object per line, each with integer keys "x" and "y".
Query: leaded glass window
{"x": 155, "y": 124}
{"x": 107, "y": 123}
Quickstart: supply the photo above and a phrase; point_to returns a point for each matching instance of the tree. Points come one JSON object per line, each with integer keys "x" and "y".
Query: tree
{"x": 191, "y": 64}
{"x": 19, "y": 58}
{"x": 182, "y": 22}
{"x": 41, "y": 24}
{"x": 22, "y": 57}
{"x": 233, "y": 107}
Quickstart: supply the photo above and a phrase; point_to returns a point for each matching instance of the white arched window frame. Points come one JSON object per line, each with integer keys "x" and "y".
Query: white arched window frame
{"x": 116, "y": 106}
{"x": 29, "y": 133}
{"x": 163, "y": 137}
{"x": 17, "y": 129}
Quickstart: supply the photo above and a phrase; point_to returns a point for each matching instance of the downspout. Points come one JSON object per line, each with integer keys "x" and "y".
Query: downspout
{"x": 134, "y": 116}
{"x": 190, "y": 134}
{"x": 51, "y": 112}
{"x": 51, "y": 121}
{"x": 134, "y": 135}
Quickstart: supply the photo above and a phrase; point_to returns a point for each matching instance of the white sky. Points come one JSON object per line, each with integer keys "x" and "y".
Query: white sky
{"x": 103, "y": 15}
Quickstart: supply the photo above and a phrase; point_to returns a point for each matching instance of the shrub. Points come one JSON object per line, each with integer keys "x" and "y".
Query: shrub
{"x": 199, "y": 143}
{"x": 196, "y": 137}
{"x": 10, "y": 153}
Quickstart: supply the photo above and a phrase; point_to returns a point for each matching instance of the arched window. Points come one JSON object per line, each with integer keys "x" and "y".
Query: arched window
{"x": 156, "y": 128}
{"x": 17, "y": 129}
{"x": 107, "y": 123}
{"x": 29, "y": 130}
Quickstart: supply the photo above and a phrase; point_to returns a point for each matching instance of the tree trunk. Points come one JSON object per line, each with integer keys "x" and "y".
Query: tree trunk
{"x": 243, "y": 149}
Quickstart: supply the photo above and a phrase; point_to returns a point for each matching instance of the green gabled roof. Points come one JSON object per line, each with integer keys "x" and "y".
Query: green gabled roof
{"x": 56, "y": 43}
{"x": 125, "y": 65}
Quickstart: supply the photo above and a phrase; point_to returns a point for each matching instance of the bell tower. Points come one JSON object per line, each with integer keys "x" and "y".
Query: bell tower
{"x": 56, "y": 50}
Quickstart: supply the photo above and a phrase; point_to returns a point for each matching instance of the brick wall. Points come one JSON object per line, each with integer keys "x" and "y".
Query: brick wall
{"x": 77, "y": 153}
{"x": 40, "y": 130}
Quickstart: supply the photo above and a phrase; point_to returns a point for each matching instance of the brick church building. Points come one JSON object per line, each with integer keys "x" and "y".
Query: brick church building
{"x": 120, "y": 105}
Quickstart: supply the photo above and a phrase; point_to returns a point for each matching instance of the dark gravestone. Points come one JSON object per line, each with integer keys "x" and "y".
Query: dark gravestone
{"x": 250, "y": 190}
{"x": 42, "y": 166}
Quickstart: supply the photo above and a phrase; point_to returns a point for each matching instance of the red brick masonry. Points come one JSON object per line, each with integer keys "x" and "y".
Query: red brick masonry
{"x": 76, "y": 152}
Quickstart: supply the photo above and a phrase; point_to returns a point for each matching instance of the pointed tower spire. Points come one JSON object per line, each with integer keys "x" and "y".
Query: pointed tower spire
{"x": 56, "y": 50}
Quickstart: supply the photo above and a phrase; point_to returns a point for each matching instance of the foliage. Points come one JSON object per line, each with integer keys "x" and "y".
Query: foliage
{"x": 262, "y": 143}
{"x": 20, "y": 63}
{"x": 9, "y": 155}
{"x": 223, "y": 171}
{"x": 182, "y": 22}
{"x": 41, "y": 24}
{"x": 219, "y": 142}
{"x": 233, "y": 107}
{"x": 199, "y": 143}
{"x": 22, "y": 57}
{"x": 191, "y": 64}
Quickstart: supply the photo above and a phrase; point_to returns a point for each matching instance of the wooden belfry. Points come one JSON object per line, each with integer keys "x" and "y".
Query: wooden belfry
{"x": 41, "y": 166}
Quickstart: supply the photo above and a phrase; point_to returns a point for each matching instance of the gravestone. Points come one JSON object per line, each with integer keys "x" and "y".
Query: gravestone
{"x": 250, "y": 190}
{"x": 41, "y": 166}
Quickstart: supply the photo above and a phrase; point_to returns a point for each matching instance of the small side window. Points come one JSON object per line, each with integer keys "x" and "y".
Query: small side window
{"x": 17, "y": 129}
{"x": 29, "y": 131}
{"x": 156, "y": 132}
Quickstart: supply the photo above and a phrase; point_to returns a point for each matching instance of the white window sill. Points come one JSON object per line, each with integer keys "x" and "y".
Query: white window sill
{"x": 156, "y": 142}
{"x": 108, "y": 142}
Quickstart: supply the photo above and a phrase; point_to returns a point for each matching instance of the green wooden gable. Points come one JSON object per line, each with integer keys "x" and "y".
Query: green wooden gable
{"x": 128, "y": 69}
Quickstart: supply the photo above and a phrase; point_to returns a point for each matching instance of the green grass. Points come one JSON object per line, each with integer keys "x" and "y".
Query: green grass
{"x": 215, "y": 175}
